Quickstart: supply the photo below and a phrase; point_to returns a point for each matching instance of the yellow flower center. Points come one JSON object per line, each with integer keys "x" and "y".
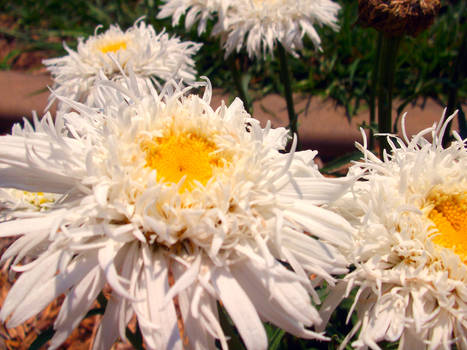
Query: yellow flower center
{"x": 178, "y": 155}
{"x": 113, "y": 46}
{"x": 37, "y": 199}
{"x": 449, "y": 216}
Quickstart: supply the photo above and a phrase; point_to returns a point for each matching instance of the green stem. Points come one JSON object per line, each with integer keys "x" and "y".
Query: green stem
{"x": 386, "y": 69}
{"x": 458, "y": 73}
{"x": 237, "y": 77}
{"x": 374, "y": 87}
{"x": 135, "y": 339}
{"x": 286, "y": 78}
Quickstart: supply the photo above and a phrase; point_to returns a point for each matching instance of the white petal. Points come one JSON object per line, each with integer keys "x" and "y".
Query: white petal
{"x": 40, "y": 274}
{"x": 185, "y": 280}
{"x": 76, "y": 304}
{"x": 156, "y": 286}
{"x": 48, "y": 291}
{"x": 240, "y": 309}
{"x": 108, "y": 330}
{"x": 106, "y": 257}
{"x": 319, "y": 190}
{"x": 21, "y": 226}
{"x": 198, "y": 338}
{"x": 322, "y": 223}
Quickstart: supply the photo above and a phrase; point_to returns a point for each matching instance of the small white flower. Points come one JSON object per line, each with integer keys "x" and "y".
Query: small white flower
{"x": 153, "y": 58}
{"x": 12, "y": 199}
{"x": 411, "y": 245}
{"x": 165, "y": 186}
{"x": 196, "y": 11}
{"x": 258, "y": 25}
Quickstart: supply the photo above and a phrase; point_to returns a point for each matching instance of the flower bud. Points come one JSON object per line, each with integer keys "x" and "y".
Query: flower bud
{"x": 398, "y": 17}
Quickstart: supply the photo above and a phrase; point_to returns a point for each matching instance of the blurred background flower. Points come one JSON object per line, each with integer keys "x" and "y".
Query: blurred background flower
{"x": 153, "y": 58}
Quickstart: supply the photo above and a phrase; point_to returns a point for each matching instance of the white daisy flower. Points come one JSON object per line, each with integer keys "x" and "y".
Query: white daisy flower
{"x": 167, "y": 198}
{"x": 12, "y": 199}
{"x": 411, "y": 245}
{"x": 258, "y": 25}
{"x": 154, "y": 58}
{"x": 197, "y": 11}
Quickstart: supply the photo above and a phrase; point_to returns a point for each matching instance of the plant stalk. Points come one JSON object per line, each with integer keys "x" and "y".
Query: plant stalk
{"x": 286, "y": 78}
{"x": 374, "y": 87}
{"x": 458, "y": 73}
{"x": 386, "y": 69}
{"x": 237, "y": 77}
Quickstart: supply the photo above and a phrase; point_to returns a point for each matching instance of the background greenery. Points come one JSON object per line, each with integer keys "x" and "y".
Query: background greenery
{"x": 341, "y": 71}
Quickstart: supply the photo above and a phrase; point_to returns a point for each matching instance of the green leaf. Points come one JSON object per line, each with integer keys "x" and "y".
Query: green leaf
{"x": 235, "y": 343}
{"x": 7, "y": 61}
{"x": 340, "y": 162}
{"x": 275, "y": 339}
{"x": 135, "y": 339}
{"x": 42, "y": 339}
{"x": 99, "y": 14}
{"x": 462, "y": 122}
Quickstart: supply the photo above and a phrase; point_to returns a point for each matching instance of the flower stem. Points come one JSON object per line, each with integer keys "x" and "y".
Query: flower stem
{"x": 237, "y": 77}
{"x": 287, "y": 79}
{"x": 386, "y": 69}
{"x": 458, "y": 73}
{"x": 374, "y": 87}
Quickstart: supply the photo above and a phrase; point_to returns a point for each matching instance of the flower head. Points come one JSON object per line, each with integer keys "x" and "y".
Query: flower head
{"x": 196, "y": 11}
{"x": 12, "y": 199}
{"x": 164, "y": 197}
{"x": 411, "y": 245}
{"x": 395, "y": 18}
{"x": 259, "y": 25}
{"x": 154, "y": 58}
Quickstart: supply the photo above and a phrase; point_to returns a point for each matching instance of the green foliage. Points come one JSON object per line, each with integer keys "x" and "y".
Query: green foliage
{"x": 341, "y": 71}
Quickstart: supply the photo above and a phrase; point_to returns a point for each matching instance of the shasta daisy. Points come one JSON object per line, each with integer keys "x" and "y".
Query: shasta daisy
{"x": 165, "y": 198}
{"x": 411, "y": 245}
{"x": 153, "y": 58}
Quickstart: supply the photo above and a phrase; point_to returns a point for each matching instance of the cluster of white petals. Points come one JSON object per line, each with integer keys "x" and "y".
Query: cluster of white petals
{"x": 196, "y": 11}
{"x": 153, "y": 57}
{"x": 12, "y": 199}
{"x": 257, "y": 25}
{"x": 411, "y": 289}
{"x": 119, "y": 221}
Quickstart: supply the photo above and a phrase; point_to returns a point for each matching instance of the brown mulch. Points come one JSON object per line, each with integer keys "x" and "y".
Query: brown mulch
{"x": 23, "y": 336}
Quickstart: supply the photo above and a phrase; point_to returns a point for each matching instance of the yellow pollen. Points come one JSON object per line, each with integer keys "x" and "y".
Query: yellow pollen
{"x": 113, "y": 46}
{"x": 37, "y": 199}
{"x": 178, "y": 155}
{"x": 449, "y": 216}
